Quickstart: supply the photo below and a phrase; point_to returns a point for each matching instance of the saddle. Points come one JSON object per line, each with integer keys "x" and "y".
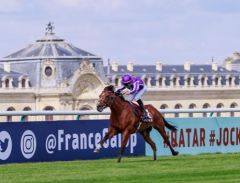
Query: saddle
{"x": 139, "y": 113}
{"x": 136, "y": 109}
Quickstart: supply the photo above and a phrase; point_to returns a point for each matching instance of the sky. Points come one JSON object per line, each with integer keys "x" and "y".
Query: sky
{"x": 138, "y": 31}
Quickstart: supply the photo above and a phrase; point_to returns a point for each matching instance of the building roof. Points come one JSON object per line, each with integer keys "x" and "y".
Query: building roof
{"x": 50, "y": 46}
{"x": 170, "y": 69}
{"x": 11, "y": 73}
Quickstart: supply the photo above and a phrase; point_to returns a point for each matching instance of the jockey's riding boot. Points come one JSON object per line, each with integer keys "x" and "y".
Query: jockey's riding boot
{"x": 145, "y": 116}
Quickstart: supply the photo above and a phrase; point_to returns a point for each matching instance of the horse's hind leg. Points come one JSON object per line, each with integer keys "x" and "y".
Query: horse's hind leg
{"x": 163, "y": 133}
{"x": 147, "y": 138}
{"x": 108, "y": 135}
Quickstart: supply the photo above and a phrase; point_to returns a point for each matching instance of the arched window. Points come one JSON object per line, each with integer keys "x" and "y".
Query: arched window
{"x": 25, "y": 118}
{"x": 84, "y": 108}
{"x": 205, "y": 106}
{"x": 177, "y": 106}
{"x": 220, "y": 105}
{"x": 233, "y": 105}
{"x": 164, "y": 106}
{"x": 9, "y": 118}
{"x": 191, "y": 106}
{"x": 49, "y": 117}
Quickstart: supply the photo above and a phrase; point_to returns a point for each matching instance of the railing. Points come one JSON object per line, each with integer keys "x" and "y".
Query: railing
{"x": 107, "y": 112}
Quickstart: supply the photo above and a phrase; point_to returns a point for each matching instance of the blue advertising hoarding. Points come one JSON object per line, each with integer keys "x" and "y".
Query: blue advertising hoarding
{"x": 61, "y": 140}
{"x": 200, "y": 135}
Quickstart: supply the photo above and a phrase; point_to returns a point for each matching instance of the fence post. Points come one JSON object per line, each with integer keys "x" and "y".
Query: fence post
{"x": 78, "y": 117}
{"x": 22, "y": 118}
{"x": 211, "y": 114}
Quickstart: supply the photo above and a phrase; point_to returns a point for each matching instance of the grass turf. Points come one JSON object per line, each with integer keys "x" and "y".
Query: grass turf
{"x": 212, "y": 168}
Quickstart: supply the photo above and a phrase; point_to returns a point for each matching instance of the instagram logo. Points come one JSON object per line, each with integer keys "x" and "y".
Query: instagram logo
{"x": 28, "y": 144}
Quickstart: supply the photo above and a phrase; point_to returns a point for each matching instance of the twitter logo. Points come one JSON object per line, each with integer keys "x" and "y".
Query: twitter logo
{"x": 5, "y": 145}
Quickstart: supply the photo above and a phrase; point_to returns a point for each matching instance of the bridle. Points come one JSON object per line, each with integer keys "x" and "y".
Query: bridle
{"x": 105, "y": 102}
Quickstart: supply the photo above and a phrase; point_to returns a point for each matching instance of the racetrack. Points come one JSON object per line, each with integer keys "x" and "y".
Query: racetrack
{"x": 214, "y": 168}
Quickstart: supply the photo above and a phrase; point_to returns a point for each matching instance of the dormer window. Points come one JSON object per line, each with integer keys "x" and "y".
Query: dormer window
{"x": 216, "y": 80}
{"x": 230, "y": 80}
{"x": 160, "y": 81}
{"x": 188, "y": 81}
{"x": 116, "y": 81}
{"x": 48, "y": 71}
{"x": 23, "y": 83}
{"x": 145, "y": 81}
{"x": 174, "y": 81}
{"x": 7, "y": 83}
{"x": 202, "y": 81}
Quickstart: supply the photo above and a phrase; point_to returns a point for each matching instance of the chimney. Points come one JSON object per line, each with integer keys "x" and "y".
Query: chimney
{"x": 158, "y": 66}
{"x": 236, "y": 56}
{"x": 108, "y": 67}
{"x": 6, "y": 66}
{"x": 130, "y": 66}
{"x": 115, "y": 66}
{"x": 228, "y": 65}
{"x": 187, "y": 66}
{"x": 214, "y": 66}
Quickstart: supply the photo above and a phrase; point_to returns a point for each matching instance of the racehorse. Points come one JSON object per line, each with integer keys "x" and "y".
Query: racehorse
{"x": 124, "y": 119}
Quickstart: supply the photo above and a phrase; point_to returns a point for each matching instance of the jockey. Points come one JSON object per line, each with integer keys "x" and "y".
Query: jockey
{"x": 137, "y": 89}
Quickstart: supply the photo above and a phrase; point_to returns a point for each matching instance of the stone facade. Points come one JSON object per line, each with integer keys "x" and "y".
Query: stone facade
{"x": 185, "y": 86}
{"x": 52, "y": 74}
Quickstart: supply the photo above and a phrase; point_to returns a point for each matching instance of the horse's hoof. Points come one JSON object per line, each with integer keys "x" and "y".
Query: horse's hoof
{"x": 155, "y": 156}
{"x": 96, "y": 151}
{"x": 119, "y": 160}
{"x": 175, "y": 153}
{"x": 97, "y": 148}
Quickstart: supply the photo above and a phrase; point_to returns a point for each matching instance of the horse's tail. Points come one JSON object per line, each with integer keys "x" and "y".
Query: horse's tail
{"x": 169, "y": 126}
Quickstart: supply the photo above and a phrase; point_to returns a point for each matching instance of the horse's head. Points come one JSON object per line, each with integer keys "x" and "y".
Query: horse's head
{"x": 106, "y": 98}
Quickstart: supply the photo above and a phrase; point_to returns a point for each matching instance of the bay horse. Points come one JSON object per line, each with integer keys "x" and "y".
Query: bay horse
{"x": 124, "y": 120}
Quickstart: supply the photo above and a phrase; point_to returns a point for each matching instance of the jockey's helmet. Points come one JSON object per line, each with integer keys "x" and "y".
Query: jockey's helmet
{"x": 126, "y": 79}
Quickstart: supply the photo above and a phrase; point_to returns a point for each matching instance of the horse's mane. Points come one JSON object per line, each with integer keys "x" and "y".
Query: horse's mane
{"x": 109, "y": 88}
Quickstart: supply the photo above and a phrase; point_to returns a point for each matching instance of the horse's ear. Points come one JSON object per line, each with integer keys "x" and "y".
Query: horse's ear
{"x": 110, "y": 88}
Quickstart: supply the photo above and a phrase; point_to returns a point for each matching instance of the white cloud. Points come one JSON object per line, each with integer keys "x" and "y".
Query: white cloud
{"x": 96, "y": 4}
{"x": 9, "y": 5}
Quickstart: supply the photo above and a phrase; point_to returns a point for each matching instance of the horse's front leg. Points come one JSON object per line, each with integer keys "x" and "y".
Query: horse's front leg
{"x": 125, "y": 138}
{"x": 111, "y": 132}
